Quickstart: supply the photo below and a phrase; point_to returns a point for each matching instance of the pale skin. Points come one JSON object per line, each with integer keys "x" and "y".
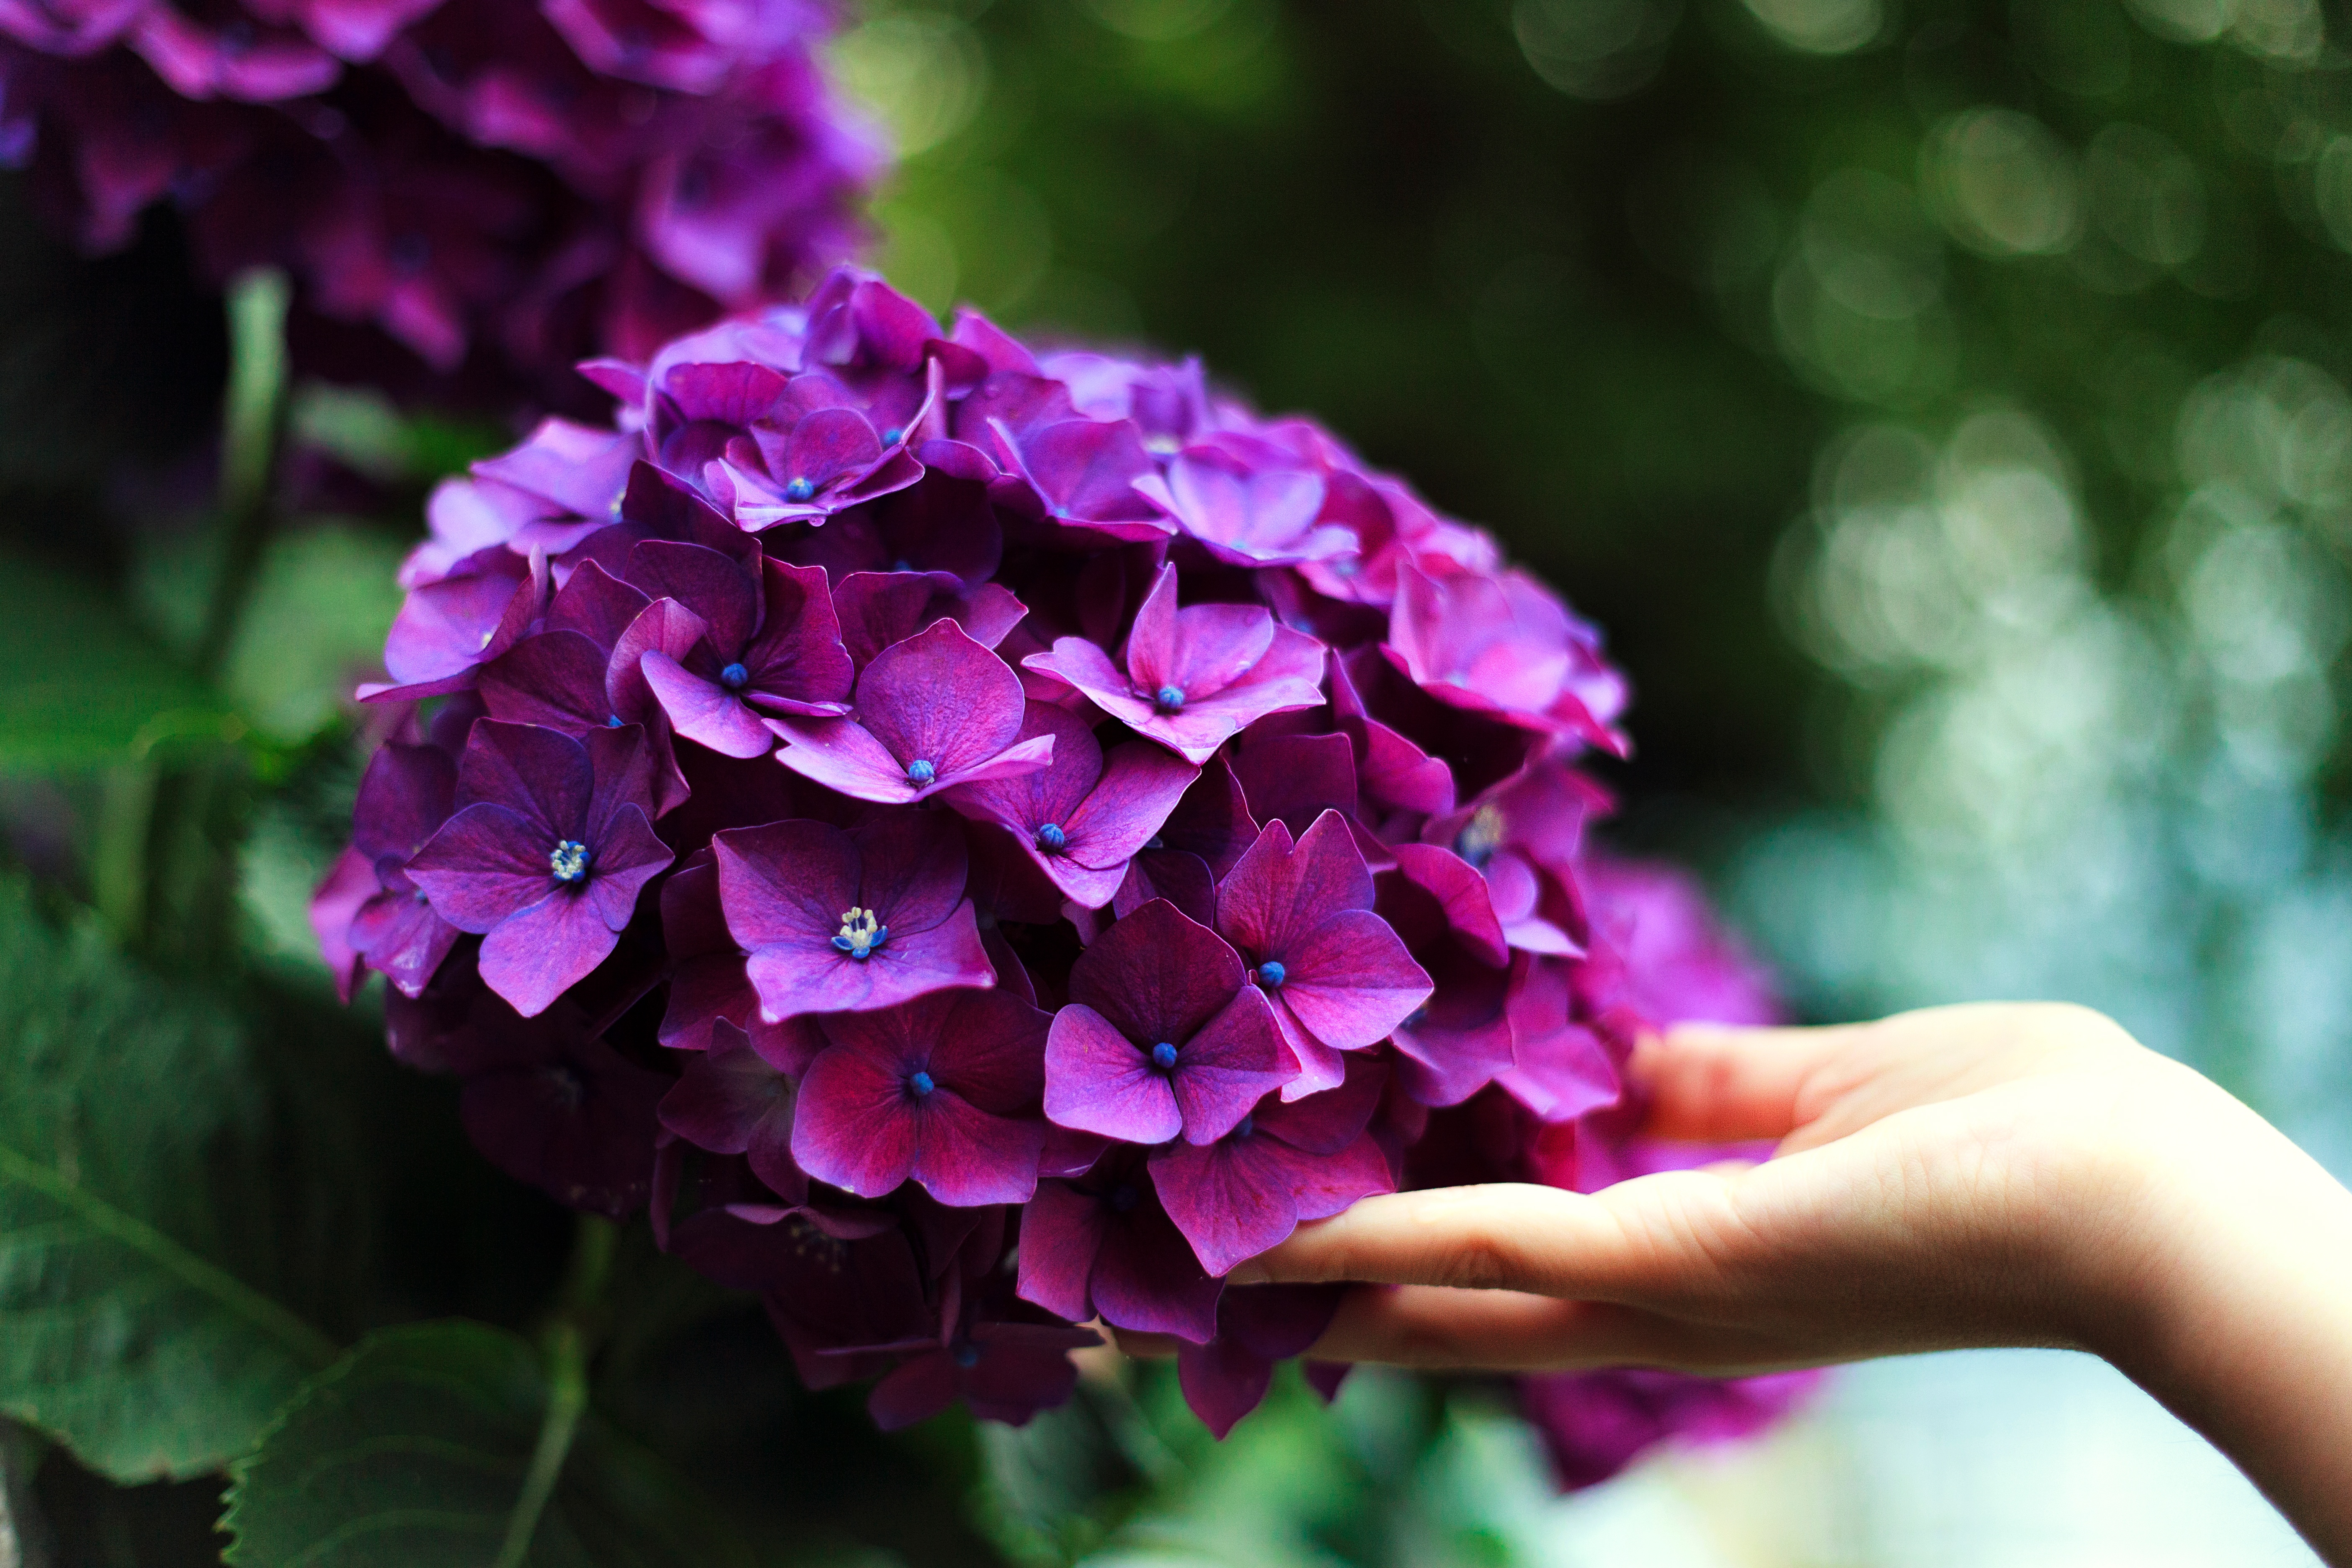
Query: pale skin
{"x": 1995, "y": 1174}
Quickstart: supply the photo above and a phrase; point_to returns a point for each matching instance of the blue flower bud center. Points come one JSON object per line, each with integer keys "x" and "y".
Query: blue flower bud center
{"x": 1271, "y": 974}
{"x": 799, "y": 490}
{"x": 862, "y": 933}
{"x": 966, "y": 1355}
{"x": 1169, "y": 699}
{"x": 920, "y": 773}
{"x": 1155, "y": 842}
{"x": 1051, "y": 840}
{"x": 920, "y": 1082}
{"x": 611, "y": 721}
{"x": 1124, "y": 1196}
{"x": 1244, "y": 1127}
{"x": 1416, "y": 1018}
{"x": 568, "y": 862}
{"x": 1163, "y": 1057}
{"x": 893, "y": 436}
{"x": 735, "y": 677}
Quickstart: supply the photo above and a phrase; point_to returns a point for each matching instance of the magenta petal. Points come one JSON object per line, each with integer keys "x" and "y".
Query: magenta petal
{"x": 852, "y": 1126}
{"x": 487, "y": 864}
{"x": 786, "y": 882}
{"x": 533, "y": 957}
{"x": 1132, "y": 800}
{"x": 541, "y": 773}
{"x": 840, "y": 754}
{"x": 1232, "y": 1199}
{"x": 710, "y": 585}
{"x": 629, "y": 854}
{"x": 556, "y": 680}
{"x": 703, "y": 712}
{"x": 941, "y": 697}
{"x": 1060, "y": 1231}
{"x": 1223, "y": 1381}
{"x": 815, "y": 978}
{"x": 724, "y": 1095}
{"x": 1098, "y": 1080}
{"x": 968, "y": 1157}
{"x": 914, "y": 1391}
{"x": 1235, "y": 1060}
{"x": 912, "y": 868}
{"x": 1147, "y": 1278}
{"x": 1156, "y": 976}
{"x": 1352, "y": 982}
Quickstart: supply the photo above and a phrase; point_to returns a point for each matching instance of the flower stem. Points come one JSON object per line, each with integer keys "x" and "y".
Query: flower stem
{"x": 567, "y": 1401}
{"x": 253, "y": 418}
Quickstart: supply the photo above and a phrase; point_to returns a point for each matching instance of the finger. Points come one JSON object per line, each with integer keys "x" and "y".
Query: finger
{"x": 1438, "y": 1328}
{"x": 1146, "y": 1347}
{"x": 1507, "y": 1237}
{"x": 1713, "y": 1082}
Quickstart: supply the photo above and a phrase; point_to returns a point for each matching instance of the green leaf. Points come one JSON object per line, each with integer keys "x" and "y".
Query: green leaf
{"x": 313, "y": 628}
{"x": 138, "y": 1198}
{"x": 451, "y": 1444}
{"x": 85, "y": 686}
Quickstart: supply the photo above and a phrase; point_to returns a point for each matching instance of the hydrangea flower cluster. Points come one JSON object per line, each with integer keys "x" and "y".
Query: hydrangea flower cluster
{"x": 554, "y": 178}
{"x": 983, "y": 842}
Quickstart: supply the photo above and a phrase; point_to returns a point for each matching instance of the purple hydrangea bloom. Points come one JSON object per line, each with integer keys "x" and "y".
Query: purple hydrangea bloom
{"x": 1284, "y": 1163}
{"x": 932, "y": 712}
{"x": 1594, "y": 1424}
{"x": 1301, "y": 916}
{"x": 551, "y": 845}
{"x": 1161, "y": 1037}
{"x": 1094, "y": 829}
{"x": 1082, "y": 818}
{"x": 500, "y": 185}
{"x": 1194, "y": 678}
{"x": 837, "y": 921}
{"x": 941, "y": 1090}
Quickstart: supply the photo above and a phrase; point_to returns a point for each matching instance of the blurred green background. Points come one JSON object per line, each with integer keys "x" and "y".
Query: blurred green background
{"x": 1943, "y": 407}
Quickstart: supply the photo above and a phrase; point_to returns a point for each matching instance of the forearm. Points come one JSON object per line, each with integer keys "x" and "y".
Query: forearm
{"x": 2249, "y": 1334}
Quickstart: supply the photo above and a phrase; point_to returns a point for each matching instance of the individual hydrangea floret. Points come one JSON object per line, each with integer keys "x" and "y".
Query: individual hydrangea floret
{"x": 1016, "y": 836}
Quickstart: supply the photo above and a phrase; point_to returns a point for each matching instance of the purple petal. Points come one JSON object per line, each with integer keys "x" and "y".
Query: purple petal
{"x": 813, "y": 977}
{"x": 1098, "y": 1080}
{"x": 702, "y": 710}
{"x": 797, "y": 663}
{"x": 1232, "y": 1199}
{"x": 542, "y": 775}
{"x": 1062, "y": 1230}
{"x": 706, "y": 582}
{"x": 1130, "y": 802}
{"x": 786, "y": 882}
{"x": 913, "y": 872}
{"x": 1235, "y": 1060}
{"x": 555, "y": 680}
{"x": 487, "y": 864}
{"x": 533, "y": 957}
{"x": 596, "y": 605}
{"x": 626, "y": 856}
{"x": 941, "y": 697}
{"x": 854, "y": 1126}
{"x": 1157, "y": 976}
{"x": 1351, "y": 981}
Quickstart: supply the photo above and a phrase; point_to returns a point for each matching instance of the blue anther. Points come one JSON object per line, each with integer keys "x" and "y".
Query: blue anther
{"x": 568, "y": 862}
{"x": 611, "y": 721}
{"x": 1271, "y": 975}
{"x": 1051, "y": 840}
{"x": 1168, "y": 698}
{"x": 799, "y": 490}
{"x": 965, "y": 1355}
{"x": 1163, "y": 1057}
{"x": 893, "y": 436}
{"x": 920, "y": 773}
{"x": 734, "y": 678}
{"x": 920, "y": 1082}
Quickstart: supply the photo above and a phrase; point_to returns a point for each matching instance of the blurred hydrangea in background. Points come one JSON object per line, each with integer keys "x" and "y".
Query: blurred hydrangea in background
{"x": 542, "y": 183}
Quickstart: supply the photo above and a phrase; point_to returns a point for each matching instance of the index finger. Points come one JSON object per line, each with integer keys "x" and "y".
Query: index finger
{"x": 1726, "y": 1083}
{"x": 1508, "y": 1236}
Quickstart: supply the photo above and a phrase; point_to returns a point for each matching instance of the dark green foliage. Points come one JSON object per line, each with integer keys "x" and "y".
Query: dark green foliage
{"x": 136, "y": 1181}
{"x": 447, "y": 1443}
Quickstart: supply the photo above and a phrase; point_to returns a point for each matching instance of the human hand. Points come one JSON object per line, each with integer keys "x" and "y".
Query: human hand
{"x": 1991, "y": 1175}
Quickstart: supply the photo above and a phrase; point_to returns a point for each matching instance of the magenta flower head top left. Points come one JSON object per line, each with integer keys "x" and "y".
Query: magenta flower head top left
{"x": 487, "y": 183}
{"x": 1023, "y": 821}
